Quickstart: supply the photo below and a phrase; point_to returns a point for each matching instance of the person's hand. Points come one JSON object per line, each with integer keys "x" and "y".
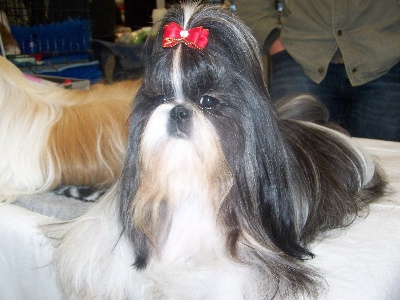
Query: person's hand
{"x": 276, "y": 47}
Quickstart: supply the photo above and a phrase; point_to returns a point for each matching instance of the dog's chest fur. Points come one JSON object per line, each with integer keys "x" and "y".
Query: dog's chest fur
{"x": 193, "y": 233}
{"x": 193, "y": 263}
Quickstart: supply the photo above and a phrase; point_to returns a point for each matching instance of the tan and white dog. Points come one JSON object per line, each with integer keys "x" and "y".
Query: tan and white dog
{"x": 51, "y": 136}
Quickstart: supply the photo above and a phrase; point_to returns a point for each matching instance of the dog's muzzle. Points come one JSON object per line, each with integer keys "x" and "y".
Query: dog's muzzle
{"x": 180, "y": 122}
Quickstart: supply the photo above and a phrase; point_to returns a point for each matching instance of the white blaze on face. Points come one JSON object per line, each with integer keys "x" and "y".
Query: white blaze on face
{"x": 176, "y": 73}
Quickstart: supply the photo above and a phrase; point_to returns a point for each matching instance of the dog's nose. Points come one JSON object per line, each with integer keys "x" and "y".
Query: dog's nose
{"x": 180, "y": 123}
{"x": 180, "y": 113}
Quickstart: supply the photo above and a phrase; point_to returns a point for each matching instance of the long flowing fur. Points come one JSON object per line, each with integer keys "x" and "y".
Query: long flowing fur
{"x": 219, "y": 198}
{"x": 51, "y": 136}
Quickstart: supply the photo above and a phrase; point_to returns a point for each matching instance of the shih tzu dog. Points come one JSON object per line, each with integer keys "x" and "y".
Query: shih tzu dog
{"x": 51, "y": 136}
{"x": 219, "y": 198}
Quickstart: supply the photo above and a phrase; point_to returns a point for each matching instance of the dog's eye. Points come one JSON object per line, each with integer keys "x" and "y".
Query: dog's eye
{"x": 208, "y": 102}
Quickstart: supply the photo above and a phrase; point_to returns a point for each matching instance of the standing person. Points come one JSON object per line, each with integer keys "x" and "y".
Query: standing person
{"x": 345, "y": 52}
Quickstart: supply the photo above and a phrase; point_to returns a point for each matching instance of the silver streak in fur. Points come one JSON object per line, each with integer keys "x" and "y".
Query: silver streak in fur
{"x": 219, "y": 198}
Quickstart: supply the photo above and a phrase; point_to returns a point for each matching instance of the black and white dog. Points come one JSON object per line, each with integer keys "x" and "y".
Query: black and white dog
{"x": 219, "y": 198}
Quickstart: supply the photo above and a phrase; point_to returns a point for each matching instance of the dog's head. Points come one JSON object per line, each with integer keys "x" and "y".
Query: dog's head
{"x": 202, "y": 126}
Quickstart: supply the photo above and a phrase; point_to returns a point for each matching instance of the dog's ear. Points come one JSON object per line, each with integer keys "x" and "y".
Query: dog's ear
{"x": 129, "y": 181}
{"x": 267, "y": 189}
{"x": 279, "y": 201}
{"x": 263, "y": 200}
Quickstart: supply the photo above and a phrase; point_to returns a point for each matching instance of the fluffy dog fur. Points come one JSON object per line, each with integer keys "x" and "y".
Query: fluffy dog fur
{"x": 219, "y": 198}
{"x": 51, "y": 136}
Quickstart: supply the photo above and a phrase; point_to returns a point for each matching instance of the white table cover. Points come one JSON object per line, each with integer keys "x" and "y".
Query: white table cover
{"x": 360, "y": 262}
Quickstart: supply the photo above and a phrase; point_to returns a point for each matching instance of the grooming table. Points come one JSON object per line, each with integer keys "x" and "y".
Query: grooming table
{"x": 358, "y": 262}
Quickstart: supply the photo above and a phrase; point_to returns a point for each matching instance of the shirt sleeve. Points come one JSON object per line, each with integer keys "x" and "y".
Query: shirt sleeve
{"x": 262, "y": 18}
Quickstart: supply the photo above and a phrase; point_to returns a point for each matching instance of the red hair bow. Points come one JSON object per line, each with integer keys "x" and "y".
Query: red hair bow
{"x": 193, "y": 38}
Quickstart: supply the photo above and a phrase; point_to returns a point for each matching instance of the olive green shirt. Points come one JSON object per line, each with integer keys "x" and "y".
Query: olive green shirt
{"x": 367, "y": 32}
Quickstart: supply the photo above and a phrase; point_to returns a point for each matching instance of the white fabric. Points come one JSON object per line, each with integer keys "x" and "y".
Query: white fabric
{"x": 25, "y": 272}
{"x": 363, "y": 262}
{"x": 360, "y": 262}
